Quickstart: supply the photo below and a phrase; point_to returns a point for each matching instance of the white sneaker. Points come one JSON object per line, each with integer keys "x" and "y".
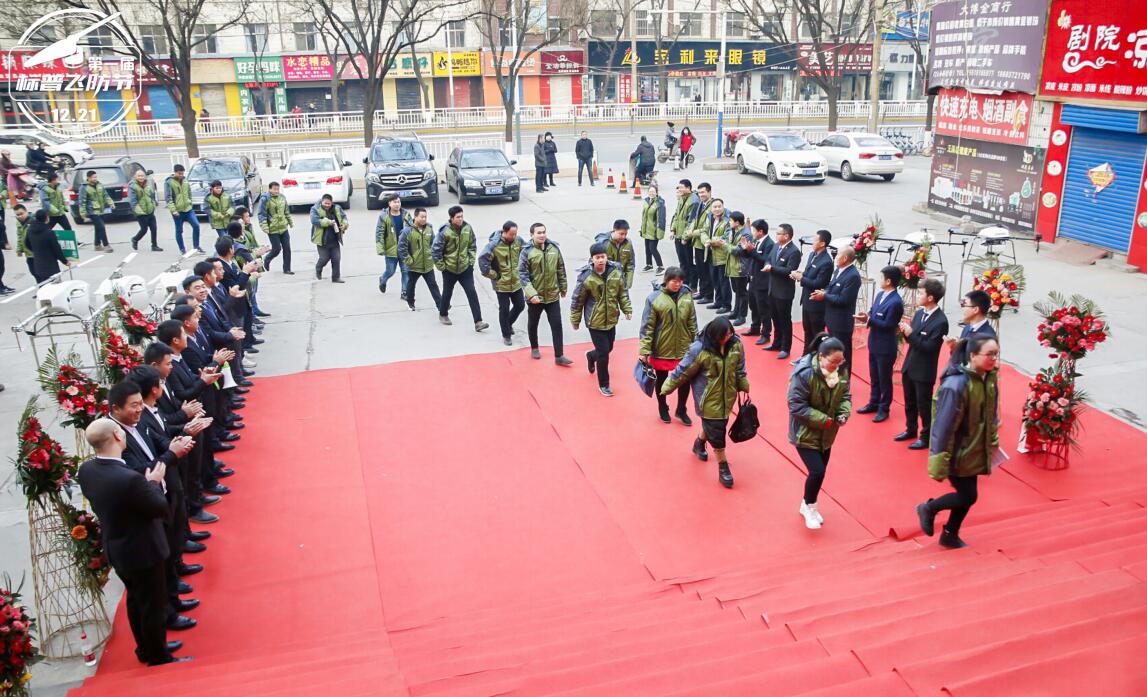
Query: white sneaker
{"x": 811, "y": 517}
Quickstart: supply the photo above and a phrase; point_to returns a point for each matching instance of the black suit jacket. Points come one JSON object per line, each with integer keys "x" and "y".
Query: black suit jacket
{"x": 840, "y": 300}
{"x": 131, "y": 511}
{"x": 184, "y": 382}
{"x": 172, "y": 412}
{"x": 156, "y": 434}
{"x": 815, "y": 277}
{"x": 784, "y": 260}
{"x": 139, "y": 459}
{"x": 967, "y": 333}
{"x": 924, "y": 345}
{"x": 761, "y": 252}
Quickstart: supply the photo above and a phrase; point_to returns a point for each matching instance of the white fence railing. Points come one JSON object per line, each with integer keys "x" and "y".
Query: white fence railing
{"x": 330, "y": 124}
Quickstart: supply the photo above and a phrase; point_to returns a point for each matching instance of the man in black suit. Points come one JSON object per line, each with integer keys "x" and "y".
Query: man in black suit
{"x": 974, "y": 306}
{"x": 214, "y": 314}
{"x": 924, "y": 336}
{"x": 785, "y": 259}
{"x": 760, "y": 252}
{"x": 131, "y": 509}
{"x": 840, "y": 300}
{"x": 815, "y": 277}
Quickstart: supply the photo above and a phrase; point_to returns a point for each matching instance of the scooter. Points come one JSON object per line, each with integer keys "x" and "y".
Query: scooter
{"x": 731, "y": 138}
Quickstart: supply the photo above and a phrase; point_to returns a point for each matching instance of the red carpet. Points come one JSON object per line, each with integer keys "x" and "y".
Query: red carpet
{"x": 491, "y": 525}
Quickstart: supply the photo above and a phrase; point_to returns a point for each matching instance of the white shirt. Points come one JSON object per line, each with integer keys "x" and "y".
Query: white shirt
{"x": 158, "y": 417}
{"x": 976, "y": 326}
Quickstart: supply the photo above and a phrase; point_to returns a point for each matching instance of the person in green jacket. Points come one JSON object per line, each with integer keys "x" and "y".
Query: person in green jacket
{"x": 653, "y": 228}
{"x": 253, "y": 252}
{"x": 715, "y": 364}
{"x": 219, "y": 207}
{"x": 328, "y": 225}
{"x": 601, "y": 296}
{"x": 965, "y": 442}
{"x": 499, "y": 263}
{"x": 94, "y": 203}
{"x": 739, "y": 266}
{"x": 275, "y": 218}
{"x": 414, "y": 249}
{"x": 23, "y": 221}
{"x": 391, "y": 222}
{"x": 543, "y": 274}
{"x": 819, "y": 404}
{"x": 620, "y": 249}
{"x": 702, "y": 279}
{"x": 717, "y": 239}
{"x": 454, "y": 251}
{"x": 177, "y": 194}
{"x": 142, "y": 199}
{"x": 668, "y": 327}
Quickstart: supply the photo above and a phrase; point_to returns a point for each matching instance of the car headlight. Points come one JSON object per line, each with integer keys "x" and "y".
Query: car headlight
{"x": 373, "y": 178}
{"x": 428, "y": 175}
{"x": 513, "y": 181}
{"x": 472, "y": 184}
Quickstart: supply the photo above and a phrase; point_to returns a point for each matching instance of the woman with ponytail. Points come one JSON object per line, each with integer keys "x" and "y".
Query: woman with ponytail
{"x": 819, "y": 404}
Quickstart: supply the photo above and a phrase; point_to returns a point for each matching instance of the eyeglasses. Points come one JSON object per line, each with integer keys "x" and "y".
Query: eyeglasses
{"x": 990, "y": 354}
{"x": 966, "y": 305}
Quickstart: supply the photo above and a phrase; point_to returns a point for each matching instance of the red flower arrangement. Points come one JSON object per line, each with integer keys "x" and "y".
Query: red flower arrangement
{"x": 1051, "y": 411}
{"x": 82, "y": 398}
{"x": 1071, "y": 329}
{"x": 914, "y": 271}
{"x": 118, "y": 357}
{"x": 17, "y": 652}
{"x": 137, "y": 326}
{"x": 865, "y": 241}
{"x": 87, "y": 546}
{"x": 1002, "y": 285}
{"x": 41, "y": 464}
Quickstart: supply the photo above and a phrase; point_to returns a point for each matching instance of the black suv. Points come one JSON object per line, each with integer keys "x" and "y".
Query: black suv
{"x": 114, "y": 176}
{"x": 400, "y": 165}
{"x": 240, "y": 179}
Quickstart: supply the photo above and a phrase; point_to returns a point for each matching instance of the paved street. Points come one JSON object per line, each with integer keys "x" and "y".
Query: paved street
{"x": 318, "y": 325}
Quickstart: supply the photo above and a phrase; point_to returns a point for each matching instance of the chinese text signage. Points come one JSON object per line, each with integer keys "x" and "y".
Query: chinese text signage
{"x": 987, "y": 45}
{"x": 837, "y": 59}
{"x": 571, "y": 62}
{"x": 991, "y": 182}
{"x": 1096, "y": 51}
{"x": 299, "y": 68}
{"x": 1001, "y": 118}
{"x": 740, "y": 56}
{"x": 464, "y": 63}
{"x": 265, "y": 69}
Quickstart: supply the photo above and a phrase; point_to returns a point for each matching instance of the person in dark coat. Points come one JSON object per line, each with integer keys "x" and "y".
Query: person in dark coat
{"x": 762, "y": 314}
{"x": 584, "y": 152}
{"x": 784, "y": 260}
{"x": 924, "y": 336}
{"x": 551, "y": 150}
{"x": 46, "y": 252}
{"x": 840, "y": 300}
{"x": 815, "y": 277}
{"x": 540, "y": 165}
{"x": 883, "y": 321}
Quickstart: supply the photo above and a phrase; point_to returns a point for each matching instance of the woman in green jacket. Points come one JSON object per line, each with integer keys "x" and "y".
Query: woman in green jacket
{"x": 715, "y": 364}
{"x": 668, "y": 327}
{"x": 653, "y": 228}
{"x": 819, "y": 404}
{"x": 965, "y": 438}
{"x": 601, "y": 298}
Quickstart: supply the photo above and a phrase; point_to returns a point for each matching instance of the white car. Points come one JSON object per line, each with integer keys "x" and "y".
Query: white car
{"x": 307, "y": 176}
{"x": 780, "y": 157}
{"x": 861, "y": 153}
{"x": 69, "y": 152}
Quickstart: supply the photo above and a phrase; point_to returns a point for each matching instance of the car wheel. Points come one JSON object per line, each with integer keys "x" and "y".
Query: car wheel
{"x": 66, "y": 161}
{"x": 888, "y": 177}
{"x": 820, "y": 181}
{"x": 771, "y": 175}
{"x": 372, "y": 202}
{"x": 846, "y": 171}
{"x": 461, "y": 195}
{"x": 741, "y": 165}
{"x": 515, "y": 197}
{"x": 346, "y": 203}
{"x": 433, "y": 200}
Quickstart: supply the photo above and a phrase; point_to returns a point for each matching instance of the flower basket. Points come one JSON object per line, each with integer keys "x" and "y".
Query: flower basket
{"x": 80, "y": 397}
{"x": 915, "y": 269}
{"x": 117, "y": 356}
{"x": 137, "y": 326}
{"x": 1052, "y": 456}
{"x": 17, "y": 650}
{"x": 42, "y": 466}
{"x": 865, "y": 240}
{"x": 1070, "y": 328}
{"x": 1003, "y": 285}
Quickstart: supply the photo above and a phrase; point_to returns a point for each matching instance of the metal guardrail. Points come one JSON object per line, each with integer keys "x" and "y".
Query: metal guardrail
{"x": 331, "y": 124}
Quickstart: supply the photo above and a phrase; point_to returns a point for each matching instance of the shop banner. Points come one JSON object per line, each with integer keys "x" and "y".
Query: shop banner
{"x": 991, "y": 182}
{"x": 847, "y": 58}
{"x": 910, "y": 26}
{"x": 265, "y": 69}
{"x": 301, "y": 68}
{"x": 465, "y": 63}
{"x": 1001, "y": 118}
{"x": 899, "y": 58}
{"x": 568, "y": 62}
{"x": 403, "y": 66}
{"x": 531, "y": 65}
{"x": 740, "y": 56}
{"x": 987, "y": 46}
{"x": 1096, "y": 50}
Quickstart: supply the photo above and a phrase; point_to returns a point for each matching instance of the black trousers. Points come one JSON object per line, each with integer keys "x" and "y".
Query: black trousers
{"x": 100, "y": 230}
{"x": 146, "y": 223}
{"x": 332, "y": 253}
{"x": 539, "y": 178}
{"x": 762, "y": 310}
{"x": 510, "y": 307}
{"x": 280, "y": 242}
{"x": 812, "y": 319}
{"x": 147, "y": 611}
{"x": 553, "y": 316}
{"x": 62, "y": 221}
{"x": 602, "y": 344}
{"x": 880, "y": 378}
{"x": 741, "y": 293}
{"x": 722, "y": 292}
{"x": 682, "y": 393}
{"x": 431, "y": 283}
{"x": 466, "y": 280}
{"x": 816, "y": 462}
{"x": 958, "y": 502}
{"x": 191, "y": 468}
{"x": 176, "y": 531}
{"x": 703, "y": 274}
{"x": 844, "y": 333}
{"x": 652, "y": 254}
{"x": 685, "y": 261}
{"x": 782, "y": 315}
{"x": 588, "y": 165}
{"x": 917, "y": 405}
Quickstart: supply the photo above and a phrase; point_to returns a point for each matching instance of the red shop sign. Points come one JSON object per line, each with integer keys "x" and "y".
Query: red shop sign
{"x": 568, "y": 62}
{"x": 1096, "y": 50}
{"x": 1000, "y": 118}
{"x": 848, "y": 58}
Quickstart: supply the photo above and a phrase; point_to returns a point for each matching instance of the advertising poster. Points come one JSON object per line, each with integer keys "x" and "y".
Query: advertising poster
{"x": 1000, "y": 118}
{"x": 987, "y": 46}
{"x": 1096, "y": 51}
{"x": 991, "y": 182}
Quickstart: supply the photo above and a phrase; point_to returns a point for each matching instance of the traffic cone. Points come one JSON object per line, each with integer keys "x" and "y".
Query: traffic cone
{"x": 596, "y": 175}
{"x": 637, "y": 187}
{"x": 623, "y": 189}
{"x": 609, "y": 182}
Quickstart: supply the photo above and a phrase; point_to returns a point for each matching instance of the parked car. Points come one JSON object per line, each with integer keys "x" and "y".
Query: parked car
{"x": 240, "y": 180}
{"x": 400, "y": 165}
{"x": 482, "y": 173}
{"x": 308, "y": 176}
{"x": 780, "y": 157}
{"x": 115, "y": 176}
{"x": 69, "y": 152}
{"x": 861, "y": 153}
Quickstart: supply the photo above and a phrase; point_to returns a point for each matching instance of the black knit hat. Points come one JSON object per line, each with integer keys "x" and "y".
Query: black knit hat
{"x": 597, "y": 248}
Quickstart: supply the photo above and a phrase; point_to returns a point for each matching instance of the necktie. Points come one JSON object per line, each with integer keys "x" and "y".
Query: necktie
{"x": 834, "y": 275}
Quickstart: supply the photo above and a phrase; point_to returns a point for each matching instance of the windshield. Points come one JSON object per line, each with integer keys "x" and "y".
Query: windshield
{"x": 872, "y": 142}
{"x": 483, "y": 158}
{"x": 397, "y": 150}
{"x": 787, "y": 142}
{"x": 210, "y": 170}
{"x": 109, "y": 175}
{"x": 312, "y": 164}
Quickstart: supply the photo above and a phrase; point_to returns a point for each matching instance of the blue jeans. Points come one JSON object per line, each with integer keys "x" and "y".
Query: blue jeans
{"x": 588, "y": 166}
{"x": 179, "y": 219}
{"x": 392, "y": 263}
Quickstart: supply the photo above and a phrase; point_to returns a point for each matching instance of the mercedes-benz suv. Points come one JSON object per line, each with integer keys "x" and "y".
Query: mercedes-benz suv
{"x": 400, "y": 165}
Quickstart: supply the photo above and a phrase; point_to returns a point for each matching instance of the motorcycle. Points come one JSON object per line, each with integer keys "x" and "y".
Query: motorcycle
{"x": 731, "y": 139}
{"x": 665, "y": 154}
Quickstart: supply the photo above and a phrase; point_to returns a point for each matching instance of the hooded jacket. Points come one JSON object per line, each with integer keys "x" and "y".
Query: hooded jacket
{"x": 718, "y": 254}
{"x": 52, "y": 198}
{"x": 601, "y": 297}
{"x": 94, "y": 201}
{"x": 688, "y": 208}
{"x": 274, "y": 213}
{"x": 814, "y": 407}
{"x": 668, "y": 323}
{"x": 454, "y": 250}
{"x": 653, "y": 219}
{"x": 177, "y": 194}
{"x": 141, "y": 198}
{"x": 220, "y": 209}
{"x": 716, "y": 377}
{"x": 622, "y": 253}
{"x": 542, "y": 271}
{"x": 965, "y": 424}
{"x": 740, "y": 262}
{"x": 386, "y": 235}
{"x": 414, "y": 248}
{"x": 499, "y": 262}
{"x": 700, "y": 228}
{"x": 336, "y": 219}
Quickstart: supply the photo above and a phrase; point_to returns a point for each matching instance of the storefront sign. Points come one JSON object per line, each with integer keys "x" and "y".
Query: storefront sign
{"x": 252, "y": 98}
{"x": 465, "y": 63}
{"x": 899, "y": 58}
{"x": 1101, "y": 176}
{"x": 991, "y": 182}
{"x": 265, "y": 69}
{"x": 910, "y": 26}
{"x": 624, "y": 89}
{"x": 740, "y": 56}
{"x": 838, "y": 58}
{"x": 987, "y": 45}
{"x": 299, "y": 68}
{"x": 1096, "y": 50}
{"x": 571, "y": 62}
{"x": 528, "y": 65}
{"x": 1001, "y": 118}
{"x": 13, "y": 68}
{"x": 403, "y": 66}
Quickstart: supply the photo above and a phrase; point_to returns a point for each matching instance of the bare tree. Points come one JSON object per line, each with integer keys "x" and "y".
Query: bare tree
{"x": 914, "y": 34}
{"x": 666, "y": 34}
{"x": 610, "y": 33}
{"x": 327, "y": 42}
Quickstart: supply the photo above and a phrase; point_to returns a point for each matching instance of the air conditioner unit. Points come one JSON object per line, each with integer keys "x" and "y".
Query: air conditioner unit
{"x": 66, "y": 296}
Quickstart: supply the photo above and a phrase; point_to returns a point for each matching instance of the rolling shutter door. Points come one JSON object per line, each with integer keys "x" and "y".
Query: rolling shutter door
{"x": 162, "y": 106}
{"x": 1105, "y": 218}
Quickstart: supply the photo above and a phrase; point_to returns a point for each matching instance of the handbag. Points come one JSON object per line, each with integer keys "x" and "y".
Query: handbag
{"x": 646, "y": 378}
{"x": 746, "y": 424}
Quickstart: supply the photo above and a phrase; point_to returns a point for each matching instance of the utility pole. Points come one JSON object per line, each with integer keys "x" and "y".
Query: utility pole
{"x": 874, "y": 76}
{"x": 724, "y": 19}
{"x": 634, "y": 89}
{"x": 450, "y": 67}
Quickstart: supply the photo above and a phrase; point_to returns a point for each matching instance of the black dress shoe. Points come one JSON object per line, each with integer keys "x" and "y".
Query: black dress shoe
{"x": 918, "y": 444}
{"x": 907, "y": 435}
{"x": 250, "y": 349}
{"x": 782, "y": 355}
{"x": 230, "y": 437}
{"x": 198, "y": 536}
{"x": 867, "y": 409}
{"x": 773, "y": 347}
{"x": 259, "y": 341}
{"x": 880, "y": 416}
{"x": 927, "y": 518}
{"x": 203, "y": 518}
{"x": 762, "y": 341}
{"x": 236, "y": 426}
{"x": 247, "y": 372}
{"x": 239, "y": 406}
{"x": 172, "y": 647}
{"x": 242, "y": 390}
{"x": 223, "y": 447}
{"x": 752, "y": 332}
{"x": 951, "y": 540}
{"x": 245, "y": 383}
{"x": 188, "y": 569}
{"x": 185, "y": 588}
{"x": 217, "y": 463}
{"x": 260, "y": 313}
{"x": 210, "y": 500}
{"x": 218, "y": 489}
{"x": 181, "y": 623}
{"x": 177, "y": 659}
{"x": 224, "y": 472}
{"x": 192, "y": 547}
{"x": 186, "y": 604}
{"x": 238, "y": 401}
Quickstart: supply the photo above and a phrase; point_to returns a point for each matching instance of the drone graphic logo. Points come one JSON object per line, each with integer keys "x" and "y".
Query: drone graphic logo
{"x": 53, "y": 82}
